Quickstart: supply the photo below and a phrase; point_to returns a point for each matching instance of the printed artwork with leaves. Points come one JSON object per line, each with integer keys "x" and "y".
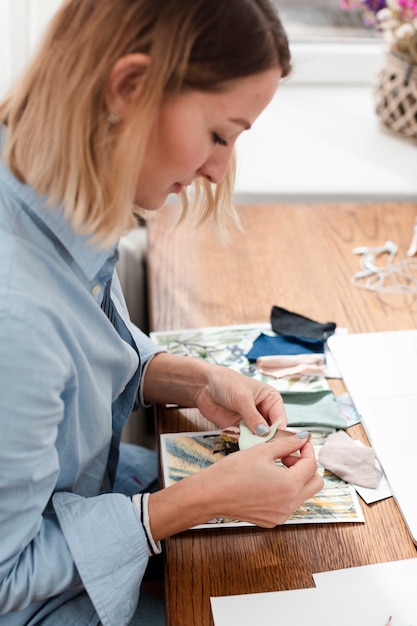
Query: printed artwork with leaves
{"x": 184, "y": 454}
{"x": 228, "y": 345}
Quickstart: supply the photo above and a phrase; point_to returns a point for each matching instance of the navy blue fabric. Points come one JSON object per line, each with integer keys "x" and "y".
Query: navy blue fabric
{"x": 265, "y": 345}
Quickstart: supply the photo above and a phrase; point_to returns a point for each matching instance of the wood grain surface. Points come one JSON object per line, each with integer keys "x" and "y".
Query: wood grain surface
{"x": 298, "y": 257}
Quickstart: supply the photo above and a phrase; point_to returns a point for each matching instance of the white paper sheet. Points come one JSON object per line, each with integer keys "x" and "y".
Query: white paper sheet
{"x": 369, "y": 604}
{"x": 368, "y": 573}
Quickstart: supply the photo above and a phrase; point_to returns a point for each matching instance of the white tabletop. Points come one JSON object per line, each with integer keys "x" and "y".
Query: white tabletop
{"x": 316, "y": 143}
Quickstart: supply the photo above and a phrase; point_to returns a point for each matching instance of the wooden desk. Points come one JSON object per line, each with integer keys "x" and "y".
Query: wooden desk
{"x": 298, "y": 257}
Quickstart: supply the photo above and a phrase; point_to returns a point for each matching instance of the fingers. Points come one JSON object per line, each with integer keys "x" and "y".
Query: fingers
{"x": 269, "y": 409}
{"x": 305, "y": 451}
{"x": 286, "y": 443}
{"x": 272, "y": 492}
{"x": 309, "y": 488}
{"x": 256, "y": 423}
{"x": 305, "y": 480}
{"x": 312, "y": 487}
{"x": 303, "y": 466}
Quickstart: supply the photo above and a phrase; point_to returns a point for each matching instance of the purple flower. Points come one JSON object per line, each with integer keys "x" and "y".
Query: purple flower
{"x": 394, "y": 21}
{"x": 371, "y": 6}
{"x": 374, "y": 5}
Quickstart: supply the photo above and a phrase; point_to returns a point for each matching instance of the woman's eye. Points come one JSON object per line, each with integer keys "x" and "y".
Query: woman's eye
{"x": 219, "y": 140}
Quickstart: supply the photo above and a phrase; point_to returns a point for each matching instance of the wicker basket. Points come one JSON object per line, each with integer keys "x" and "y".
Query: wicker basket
{"x": 396, "y": 96}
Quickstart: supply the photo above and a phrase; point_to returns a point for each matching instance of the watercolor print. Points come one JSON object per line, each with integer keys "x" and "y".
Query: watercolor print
{"x": 227, "y": 345}
{"x": 184, "y": 454}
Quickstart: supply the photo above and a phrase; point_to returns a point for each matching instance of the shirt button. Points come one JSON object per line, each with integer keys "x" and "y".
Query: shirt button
{"x": 95, "y": 290}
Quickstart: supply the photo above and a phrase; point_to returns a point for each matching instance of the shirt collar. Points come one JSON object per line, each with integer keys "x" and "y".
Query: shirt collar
{"x": 89, "y": 258}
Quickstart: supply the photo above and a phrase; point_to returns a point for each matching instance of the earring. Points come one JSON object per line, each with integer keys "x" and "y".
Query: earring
{"x": 113, "y": 118}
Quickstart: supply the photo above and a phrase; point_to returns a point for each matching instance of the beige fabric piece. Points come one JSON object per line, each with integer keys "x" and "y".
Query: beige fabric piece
{"x": 354, "y": 464}
{"x": 247, "y": 439}
{"x": 291, "y": 365}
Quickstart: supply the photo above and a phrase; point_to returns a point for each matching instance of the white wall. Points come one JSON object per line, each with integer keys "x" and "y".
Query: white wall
{"x": 319, "y": 138}
{"x": 23, "y": 21}
{"x": 21, "y": 24}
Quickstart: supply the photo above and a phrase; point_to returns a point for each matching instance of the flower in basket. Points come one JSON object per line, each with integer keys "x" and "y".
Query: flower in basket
{"x": 395, "y": 87}
{"x": 396, "y": 20}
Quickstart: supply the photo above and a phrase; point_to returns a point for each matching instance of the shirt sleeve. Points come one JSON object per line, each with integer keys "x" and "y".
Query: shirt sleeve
{"x": 66, "y": 542}
{"x": 35, "y": 561}
{"x": 111, "y": 558}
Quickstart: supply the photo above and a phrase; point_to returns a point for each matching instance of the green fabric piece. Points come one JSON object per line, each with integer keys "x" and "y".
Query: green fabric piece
{"x": 312, "y": 408}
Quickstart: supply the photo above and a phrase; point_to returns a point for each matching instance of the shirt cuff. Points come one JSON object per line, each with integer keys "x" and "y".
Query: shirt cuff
{"x": 142, "y": 378}
{"x": 140, "y": 501}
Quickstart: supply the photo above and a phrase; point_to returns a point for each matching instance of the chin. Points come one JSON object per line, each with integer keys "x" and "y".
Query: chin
{"x": 152, "y": 204}
{"x": 149, "y": 206}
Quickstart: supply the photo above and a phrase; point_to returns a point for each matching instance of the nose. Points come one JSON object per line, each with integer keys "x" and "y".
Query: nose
{"x": 214, "y": 169}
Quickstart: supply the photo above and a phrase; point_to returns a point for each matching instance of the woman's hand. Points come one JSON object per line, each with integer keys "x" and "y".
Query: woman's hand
{"x": 223, "y": 396}
{"x": 229, "y": 397}
{"x": 247, "y": 486}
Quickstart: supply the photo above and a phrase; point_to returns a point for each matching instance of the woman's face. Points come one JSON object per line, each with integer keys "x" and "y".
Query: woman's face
{"x": 195, "y": 133}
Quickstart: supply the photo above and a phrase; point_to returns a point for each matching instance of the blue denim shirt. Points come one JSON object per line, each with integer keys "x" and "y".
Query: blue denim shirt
{"x": 68, "y": 382}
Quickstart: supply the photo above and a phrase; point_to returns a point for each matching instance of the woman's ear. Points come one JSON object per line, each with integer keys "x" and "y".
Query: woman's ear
{"x": 125, "y": 83}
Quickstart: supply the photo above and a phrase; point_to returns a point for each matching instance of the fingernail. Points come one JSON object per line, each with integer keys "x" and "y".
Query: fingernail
{"x": 262, "y": 430}
{"x": 303, "y": 434}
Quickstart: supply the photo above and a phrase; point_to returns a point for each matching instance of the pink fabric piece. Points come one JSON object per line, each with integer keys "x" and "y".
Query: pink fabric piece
{"x": 291, "y": 365}
{"x": 353, "y": 463}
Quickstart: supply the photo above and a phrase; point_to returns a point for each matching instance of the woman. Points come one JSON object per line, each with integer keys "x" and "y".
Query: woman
{"x": 125, "y": 102}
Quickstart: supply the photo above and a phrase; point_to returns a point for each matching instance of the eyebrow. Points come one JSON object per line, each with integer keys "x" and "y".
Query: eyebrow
{"x": 242, "y": 122}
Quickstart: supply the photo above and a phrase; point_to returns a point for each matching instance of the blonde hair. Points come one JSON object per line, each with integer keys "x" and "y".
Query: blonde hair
{"x": 59, "y": 137}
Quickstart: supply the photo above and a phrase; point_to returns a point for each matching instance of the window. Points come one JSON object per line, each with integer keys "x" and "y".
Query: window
{"x": 21, "y": 24}
{"x": 329, "y": 45}
{"x": 322, "y": 20}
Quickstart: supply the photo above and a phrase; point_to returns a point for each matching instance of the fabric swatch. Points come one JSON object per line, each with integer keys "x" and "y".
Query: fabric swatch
{"x": 312, "y": 408}
{"x": 286, "y": 322}
{"x": 247, "y": 438}
{"x": 265, "y": 345}
{"x": 278, "y": 366}
{"x": 352, "y": 463}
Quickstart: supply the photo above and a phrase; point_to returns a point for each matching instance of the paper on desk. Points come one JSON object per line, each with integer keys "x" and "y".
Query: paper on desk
{"x": 382, "y": 491}
{"x": 366, "y": 574}
{"x": 332, "y": 369}
{"x": 347, "y": 409}
{"x": 184, "y": 454}
{"x": 370, "y": 496}
{"x": 361, "y": 605}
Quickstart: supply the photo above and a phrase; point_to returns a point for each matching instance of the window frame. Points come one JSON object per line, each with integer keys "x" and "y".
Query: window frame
{"x": 344, "y": 63}
{"x": 328, "y": 57}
